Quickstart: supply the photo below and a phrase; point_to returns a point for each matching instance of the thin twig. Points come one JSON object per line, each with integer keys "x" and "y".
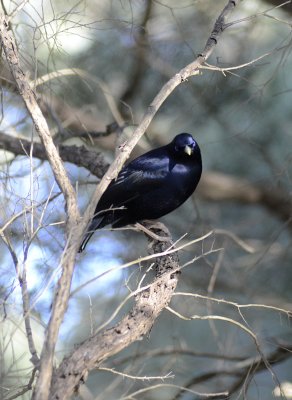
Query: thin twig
{"x": 138, "y": 378}
{"x": 29, "y": 98}
{"x": 86, "y": 76}
{"x": 244, "y": 368}
{"x": 26, "y": 388}
{"x": 142, "y": 259}
{"x": 234, "y": 304}
{"x": 137, "y": 393}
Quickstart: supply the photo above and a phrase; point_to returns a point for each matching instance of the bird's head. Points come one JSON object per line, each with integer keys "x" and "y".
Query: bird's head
{"x": 185, "y": 144}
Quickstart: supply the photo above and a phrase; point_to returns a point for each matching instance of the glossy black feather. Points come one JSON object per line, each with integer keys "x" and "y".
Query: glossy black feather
{"x": 150, "y": 186}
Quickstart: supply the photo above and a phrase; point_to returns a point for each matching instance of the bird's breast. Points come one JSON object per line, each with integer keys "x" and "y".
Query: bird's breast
{"x": 185, "y": 178}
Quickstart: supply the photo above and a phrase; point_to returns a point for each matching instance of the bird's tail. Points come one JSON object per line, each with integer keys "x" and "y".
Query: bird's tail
{"x": 85, "y": 241}
{"x": 95, "y": 224}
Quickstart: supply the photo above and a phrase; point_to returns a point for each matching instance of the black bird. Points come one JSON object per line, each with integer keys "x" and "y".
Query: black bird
{"x": 150, "y": 186}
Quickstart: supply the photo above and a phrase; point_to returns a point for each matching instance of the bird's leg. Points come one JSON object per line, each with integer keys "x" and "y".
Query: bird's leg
{"x": 155, "y": 225}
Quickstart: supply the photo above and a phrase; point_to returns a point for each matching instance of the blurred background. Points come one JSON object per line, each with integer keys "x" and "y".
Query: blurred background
{"x": 96, "y": 66}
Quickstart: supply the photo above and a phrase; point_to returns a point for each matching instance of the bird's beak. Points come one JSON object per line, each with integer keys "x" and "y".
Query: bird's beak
{"x": 188, "y": 150}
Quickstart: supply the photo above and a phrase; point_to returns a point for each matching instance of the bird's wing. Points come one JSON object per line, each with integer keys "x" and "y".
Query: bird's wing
{"x": 139, "y": 176}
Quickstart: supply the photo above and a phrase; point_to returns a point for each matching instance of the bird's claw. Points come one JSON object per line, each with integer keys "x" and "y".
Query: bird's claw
{"x": 154, "y": 225}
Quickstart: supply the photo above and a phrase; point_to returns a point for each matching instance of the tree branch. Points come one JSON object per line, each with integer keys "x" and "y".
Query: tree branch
{"x": 216, "y": 186}
{"x": 243, "y": 369}
{"x": 63, "y": 289}
{"x": 139, "y": 65}
{"x": 148, "y": 305}
{"x": 74, "y": 231}
{"x": 77, "y": 155}
{"x": 285, "y": 5}
{"x": 41, "y": 126}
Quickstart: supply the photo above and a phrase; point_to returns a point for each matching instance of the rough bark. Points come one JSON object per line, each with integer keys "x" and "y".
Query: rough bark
{"x": 134, "y": 326}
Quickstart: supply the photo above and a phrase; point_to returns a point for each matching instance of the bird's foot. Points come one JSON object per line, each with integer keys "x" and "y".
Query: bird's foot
{"x": 154, "y": 225}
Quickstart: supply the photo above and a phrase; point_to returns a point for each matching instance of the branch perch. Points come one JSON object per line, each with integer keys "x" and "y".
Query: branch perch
{"x": 134, "y": 326}
{"x": 188, "y": 71}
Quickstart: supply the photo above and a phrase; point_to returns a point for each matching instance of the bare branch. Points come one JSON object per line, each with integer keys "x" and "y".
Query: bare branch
{"x": 63, "y": 290}
{"x": 200, "y": 395}
{"x": 138, "y": 378}
{"x": 234, "y": 304}
{"x": 88, "y": 77}
{"x": 139, "y": 66}
{"x": 168, "y": 351}
{"x": 41, "y": 126}
{"x": 137, "y": 323}
{"x": 77, "y": 155}
{"x": 26, "y": 315}
{"x": 216, "y": 186}
{"x": 26, "y": 388}
{"x": 249, "y": 366}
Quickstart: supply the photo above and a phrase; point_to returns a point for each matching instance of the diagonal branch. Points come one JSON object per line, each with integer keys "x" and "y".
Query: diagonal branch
{"x": 188, "y": 71}
{"x": 68, "y": 259}
{"x": 77, "y": 155}
{"x": 148, "y": 305}
{"x": 243, "y": 369}
{"x": 41, "y": 126}
{"x": 217, "y": 187}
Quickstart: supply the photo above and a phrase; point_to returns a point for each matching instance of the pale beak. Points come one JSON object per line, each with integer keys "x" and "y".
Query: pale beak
{"x": 188, "y": 150}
